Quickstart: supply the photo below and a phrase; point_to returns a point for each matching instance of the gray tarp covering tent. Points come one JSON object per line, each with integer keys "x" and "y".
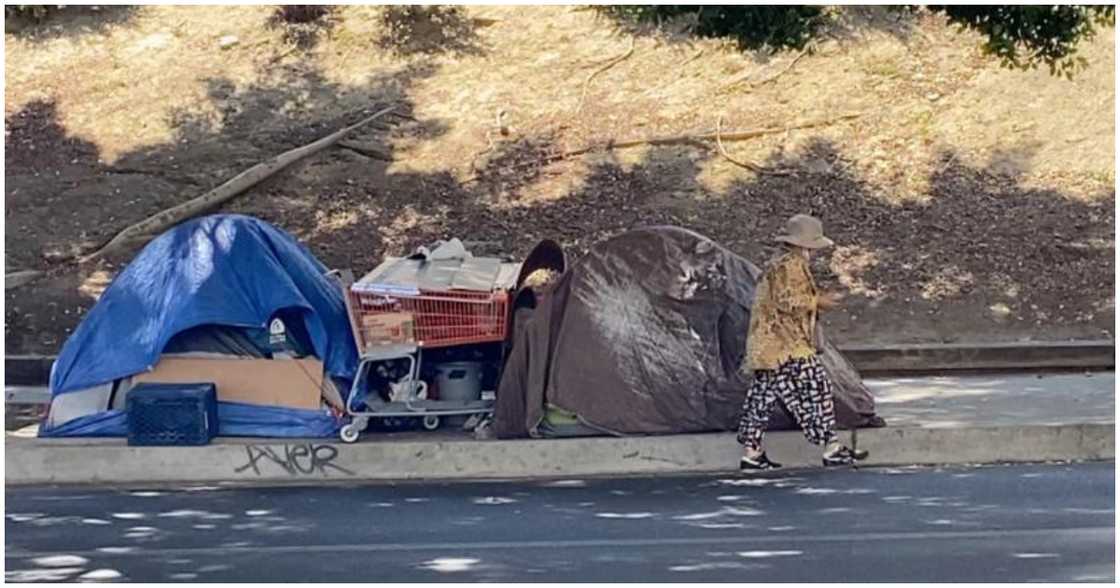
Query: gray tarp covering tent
{"x": 645, "y": 335}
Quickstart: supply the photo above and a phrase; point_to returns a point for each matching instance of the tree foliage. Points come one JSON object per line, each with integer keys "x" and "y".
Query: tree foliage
{"x": 1021, "y": 36}
{"x": 1025, "y": 36}
{"x": 32, "y": 12}
{"x": 754, "y": 27}
{"x": 302, "y": 13}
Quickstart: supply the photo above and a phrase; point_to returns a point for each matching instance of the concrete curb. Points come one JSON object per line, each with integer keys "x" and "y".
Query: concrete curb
{"x": 74, "y": 461}
{"x": 1020, "y": 443}
{"x": 34, "y": 370}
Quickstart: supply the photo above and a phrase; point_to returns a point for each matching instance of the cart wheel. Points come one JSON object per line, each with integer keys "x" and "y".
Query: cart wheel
{"x": 431, "y": 422}
{"x": 349, "y": 433}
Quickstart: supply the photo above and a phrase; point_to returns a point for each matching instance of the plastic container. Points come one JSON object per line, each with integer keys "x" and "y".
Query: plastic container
{"x": 459, "y": 381}
{"x": 172, "y": 414}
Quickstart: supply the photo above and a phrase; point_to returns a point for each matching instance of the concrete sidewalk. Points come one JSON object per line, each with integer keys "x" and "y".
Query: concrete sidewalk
{"x": 944, "y": 420}
{"x": 996, "y": 400}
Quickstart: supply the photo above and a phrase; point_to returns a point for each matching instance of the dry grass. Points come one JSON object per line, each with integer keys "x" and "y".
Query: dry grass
{"x": 932, "y": 106}
{"x": 123, "y": 89}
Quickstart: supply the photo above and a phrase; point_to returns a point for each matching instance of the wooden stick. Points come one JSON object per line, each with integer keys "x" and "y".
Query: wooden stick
{"x": 784, "y": 71}
{"x": 280, "y": 56}
{"x": 734, "y": 135}
{"x": 679, "y": 139}
{"x": 693, "y": 58}
{"x": 758, "y": 169}
{"x": 161, "y": 221}
{"x": 608, "y": 65}
{"x": 768, "y": 80}
{"x": 689, "y": 138}
{"x": 21, "y": 278}
{"x": 490, "y": 145}
{"x": 369, "y": 151}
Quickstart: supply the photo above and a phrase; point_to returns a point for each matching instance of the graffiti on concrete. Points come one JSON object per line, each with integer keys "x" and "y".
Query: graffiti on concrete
{"x": 304, "y": 459}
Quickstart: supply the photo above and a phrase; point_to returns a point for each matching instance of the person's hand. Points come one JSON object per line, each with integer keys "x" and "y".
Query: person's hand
{"x": 830, "y": 300}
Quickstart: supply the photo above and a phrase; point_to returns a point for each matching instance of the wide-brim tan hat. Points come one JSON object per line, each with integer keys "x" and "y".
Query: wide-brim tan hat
{"x": 805, "y": 231}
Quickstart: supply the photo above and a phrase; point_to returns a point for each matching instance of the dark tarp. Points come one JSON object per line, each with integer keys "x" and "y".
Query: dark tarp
{"x": 645, "y": 335}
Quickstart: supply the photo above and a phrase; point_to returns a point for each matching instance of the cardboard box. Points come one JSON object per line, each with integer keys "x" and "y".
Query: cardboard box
{"x": 388, "y": 328}
{"x": 294, "y": 383}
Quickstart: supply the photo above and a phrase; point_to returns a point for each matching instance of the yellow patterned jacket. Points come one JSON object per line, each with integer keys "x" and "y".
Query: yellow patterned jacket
{"x": 784, "y": 314}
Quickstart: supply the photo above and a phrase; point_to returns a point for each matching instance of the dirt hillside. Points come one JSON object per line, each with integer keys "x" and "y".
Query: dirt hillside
{"x": 970, "y": 203}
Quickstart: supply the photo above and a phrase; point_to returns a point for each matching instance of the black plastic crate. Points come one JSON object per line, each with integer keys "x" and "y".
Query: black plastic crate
{"x": 172, "y": 414}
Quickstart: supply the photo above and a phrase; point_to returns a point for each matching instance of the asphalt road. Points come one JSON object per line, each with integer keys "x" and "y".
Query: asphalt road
{"x": 998, "y": 523}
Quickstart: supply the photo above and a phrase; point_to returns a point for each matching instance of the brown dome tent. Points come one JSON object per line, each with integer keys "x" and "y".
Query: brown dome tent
{"x": 644, "y": 335}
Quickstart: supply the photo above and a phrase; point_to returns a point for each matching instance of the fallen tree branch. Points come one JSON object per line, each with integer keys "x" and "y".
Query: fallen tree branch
{"x": 774, "y": 77}
{"x": 170, "y": 217}
{"x": 680, "y": 139}
{"x": 605, "y": 67}
{"x": 280, "y": 56}
{"x": 21, "y": 278}
{"x": 693, "y": 58}
{"x": 490, "y": 144}
{"x": 365, "y": 150}
{"x": 754, "y": 167}
{"x": 730, "y": 136}
{"x": 768, "y": 80}
{"x": 691, "y": 138}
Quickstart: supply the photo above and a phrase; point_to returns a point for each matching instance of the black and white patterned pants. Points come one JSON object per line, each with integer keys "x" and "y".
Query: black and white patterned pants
{"x": 805, "y": 390}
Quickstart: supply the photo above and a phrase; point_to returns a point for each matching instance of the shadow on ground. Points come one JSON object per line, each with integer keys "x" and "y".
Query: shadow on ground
{"x": 842, "y": 23}
{"x": 63, "y": 21}
{"x": 980, "y": 248}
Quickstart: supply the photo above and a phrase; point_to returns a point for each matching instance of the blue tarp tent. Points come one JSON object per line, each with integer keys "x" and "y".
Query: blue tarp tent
{"x": 228, "y": 270}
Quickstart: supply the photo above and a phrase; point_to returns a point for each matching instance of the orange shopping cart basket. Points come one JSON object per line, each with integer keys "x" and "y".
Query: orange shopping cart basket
{"x": 427, "y": 319}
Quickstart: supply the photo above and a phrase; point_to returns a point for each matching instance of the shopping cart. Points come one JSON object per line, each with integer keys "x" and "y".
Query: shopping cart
{"x": 394, "y": 325}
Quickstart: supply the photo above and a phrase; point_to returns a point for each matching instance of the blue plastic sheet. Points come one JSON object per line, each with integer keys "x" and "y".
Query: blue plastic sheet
{"x": 235, "y": 419}
{"x": 221, "y": 269}
{"x": 249, "y": 420}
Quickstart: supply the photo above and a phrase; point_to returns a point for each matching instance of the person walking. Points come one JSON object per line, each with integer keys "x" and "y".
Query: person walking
{"x": 782, "y": 354}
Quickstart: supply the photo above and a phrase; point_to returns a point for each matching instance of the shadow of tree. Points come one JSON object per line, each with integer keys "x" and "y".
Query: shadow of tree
{"x": 928, "y": 269}
{"x": 508, "y": 167}
{"x": 263, "y": 112}
{"x": 61, "y": 198}
{"x": 65, "y": 21}
{"x": 982, "y": 247}
{"x": 850, "y": 21}
{"x": 842, "y": 23}
{"x": 36, "y": 141}
{"x": 982, "y": 254}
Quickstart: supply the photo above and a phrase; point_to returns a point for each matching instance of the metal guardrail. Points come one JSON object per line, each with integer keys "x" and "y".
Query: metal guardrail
{"x": 1026, "y": 356}
{"x": 27, "y": 395}
{"x": 27, "y": 371}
